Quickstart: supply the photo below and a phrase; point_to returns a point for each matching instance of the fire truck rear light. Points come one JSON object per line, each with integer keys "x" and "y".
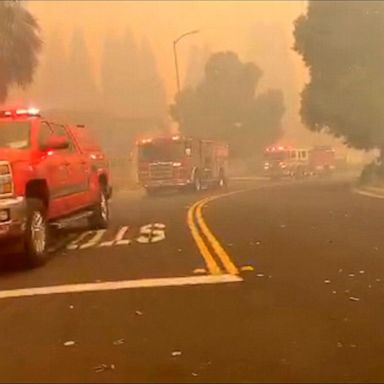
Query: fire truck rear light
{"x": 7, "y": 113}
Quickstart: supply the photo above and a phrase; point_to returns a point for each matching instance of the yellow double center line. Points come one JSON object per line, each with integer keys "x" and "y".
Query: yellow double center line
{"x": 205, "y": 239}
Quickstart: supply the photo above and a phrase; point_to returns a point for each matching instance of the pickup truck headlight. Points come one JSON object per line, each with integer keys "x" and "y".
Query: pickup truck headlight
{"x": 4, "y": 169}
{"x": 5, "y": 187}
{"x": 6, "y": 183}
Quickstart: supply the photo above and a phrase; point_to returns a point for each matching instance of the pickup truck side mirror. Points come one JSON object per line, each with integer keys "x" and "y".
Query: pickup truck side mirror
{"x": 55, "y": 143}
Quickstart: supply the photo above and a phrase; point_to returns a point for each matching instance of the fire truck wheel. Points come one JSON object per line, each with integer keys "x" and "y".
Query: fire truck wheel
{"x": 36, "y": 234}
{"x": 196, "y": 182}
{"x": 223, "y": 181}
{"x": 100, "y": 215}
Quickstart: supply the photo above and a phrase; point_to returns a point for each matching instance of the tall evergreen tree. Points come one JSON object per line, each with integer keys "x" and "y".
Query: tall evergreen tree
{"x": 120, "y": 75}
{"x": 110, "y": 73}
{"x": 130, "y": 75}
{"x": 82, "y": 93}
{"x": 151, "y": 84}
{"x": 52, "y": 86}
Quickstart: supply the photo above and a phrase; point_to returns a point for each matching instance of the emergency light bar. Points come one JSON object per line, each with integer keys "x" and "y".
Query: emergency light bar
{"x": 146, "y": 141}
{"x": 276, "y": 149}
{"x": 20, "y": 112}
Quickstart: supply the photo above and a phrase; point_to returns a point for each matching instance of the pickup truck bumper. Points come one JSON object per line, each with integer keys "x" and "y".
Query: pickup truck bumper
{"x": 12, "y": 217}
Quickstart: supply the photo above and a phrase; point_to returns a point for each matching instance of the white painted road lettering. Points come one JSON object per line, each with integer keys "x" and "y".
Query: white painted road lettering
{"x": 75, "y": 243}
{"x": 151, "y": 233}
{"x": 94, "y": 240}
{"x": 119, "y": 239}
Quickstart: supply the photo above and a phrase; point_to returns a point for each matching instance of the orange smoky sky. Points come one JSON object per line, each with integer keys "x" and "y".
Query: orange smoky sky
{"x": 223, "y": 25}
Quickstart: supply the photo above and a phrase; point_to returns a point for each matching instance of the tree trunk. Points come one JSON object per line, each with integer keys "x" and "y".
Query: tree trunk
{"x": 381, "y": 156}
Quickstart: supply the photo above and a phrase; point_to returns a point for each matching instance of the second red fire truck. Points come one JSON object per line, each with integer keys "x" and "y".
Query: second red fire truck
{"x": 281, "y": 161}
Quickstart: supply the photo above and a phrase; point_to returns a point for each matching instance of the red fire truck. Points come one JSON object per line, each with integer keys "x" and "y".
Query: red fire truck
{"x": 181, "y": 162}
{"x": 281, "y": 161}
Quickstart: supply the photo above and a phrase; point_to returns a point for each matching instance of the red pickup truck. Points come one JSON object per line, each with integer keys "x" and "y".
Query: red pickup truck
{"x": 50, "y": 175}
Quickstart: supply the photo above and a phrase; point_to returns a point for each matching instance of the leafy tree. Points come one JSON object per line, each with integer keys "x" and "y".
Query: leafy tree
{"x": 342, "y": 45}
{"x": 269, "y": 54}
{"x": 224, "y": 106}
{"x": 198, "y": 57}
{"x": 20, "y": 45}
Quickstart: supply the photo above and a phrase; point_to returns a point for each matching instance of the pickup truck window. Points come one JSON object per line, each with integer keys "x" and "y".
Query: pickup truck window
{"x": 60, "y": 130}
{"x": 14, "y": 134}
{"x": 44, "y": 133}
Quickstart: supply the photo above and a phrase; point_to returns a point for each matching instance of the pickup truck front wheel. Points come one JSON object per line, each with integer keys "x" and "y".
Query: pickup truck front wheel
{"x": 36, "y": 234}
{"x": 100, "y": 215}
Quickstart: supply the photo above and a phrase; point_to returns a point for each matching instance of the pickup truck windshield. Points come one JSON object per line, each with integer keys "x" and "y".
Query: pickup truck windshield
{"x": 14, "y": 134}
{"x": 163, "y": 151}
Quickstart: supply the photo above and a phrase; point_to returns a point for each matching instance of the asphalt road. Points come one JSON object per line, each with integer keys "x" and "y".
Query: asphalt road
{"x": 273, "y": 282}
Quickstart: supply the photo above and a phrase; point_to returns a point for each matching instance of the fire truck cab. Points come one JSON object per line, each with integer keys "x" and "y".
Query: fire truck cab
{"x": 181, "y": 162}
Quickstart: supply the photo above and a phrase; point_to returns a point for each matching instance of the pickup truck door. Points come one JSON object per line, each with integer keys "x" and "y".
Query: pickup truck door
{"x": 52, "y": 168}
{"x": 75, "y": 193}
